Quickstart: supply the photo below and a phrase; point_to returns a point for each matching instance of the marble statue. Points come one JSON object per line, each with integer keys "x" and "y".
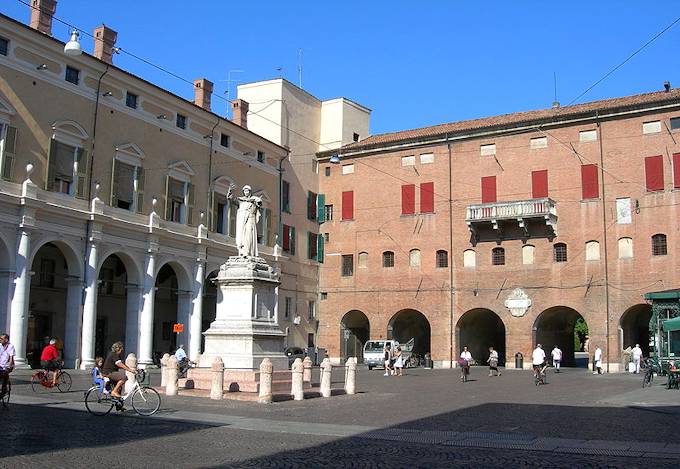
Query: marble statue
{"x": 249, "y": 208}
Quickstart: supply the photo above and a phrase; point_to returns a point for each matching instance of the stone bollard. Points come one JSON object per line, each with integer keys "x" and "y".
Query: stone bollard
{"x": 217, "y": 386}
{"x": 266, "y": 372}
{"x": 297, "y": 386}
{"x": 164, "y": 369}
{"x": 307, "y": 370}
{"x": 326, "y": 370}
{"x": 351, "y": 376}
{"x": 131, "y": 362}
{"x": 172, "y": 374}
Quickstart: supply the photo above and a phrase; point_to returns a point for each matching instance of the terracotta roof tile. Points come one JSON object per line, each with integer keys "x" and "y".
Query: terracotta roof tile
{"x": 515, "y": 119}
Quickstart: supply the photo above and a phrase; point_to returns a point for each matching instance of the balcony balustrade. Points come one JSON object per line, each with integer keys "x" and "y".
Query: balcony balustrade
{"x": 521, "y": 212}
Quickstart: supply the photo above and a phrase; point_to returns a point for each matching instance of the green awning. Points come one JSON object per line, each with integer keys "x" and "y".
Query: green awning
{"x": 672, "y": 325}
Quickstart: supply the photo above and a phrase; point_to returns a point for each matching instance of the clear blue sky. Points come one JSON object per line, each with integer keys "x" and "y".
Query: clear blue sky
{"x": 413, "y": 63}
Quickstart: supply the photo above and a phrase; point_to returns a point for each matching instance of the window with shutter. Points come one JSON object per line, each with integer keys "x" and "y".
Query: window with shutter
{"x": 311, "y": 245}
{"x": 139, "y": 182}
{"x": 427, "y": 197}
{"x": 293, "y": 240}
{"x": 190, "y": 203}
{"x": 676, "y": 170}
{"x": 348, "y": 205}
{"x": 320, "y": 208}
{"x": 8, "y": 150}
{"x": 81, "y": 173}
{"x": 65, "y": 168}
{"x": 488, "y": 189}
{"x": 539, "y": 184}
{"x": 654, "y": 173}
{"x": 589, "y": 182}
{"x": 408, "y": 199}
{"x": 285, "y": 196}
{"x": 286, "y": 238}
{"x": 123, "y": 185}
{"x": 320, "y": 248}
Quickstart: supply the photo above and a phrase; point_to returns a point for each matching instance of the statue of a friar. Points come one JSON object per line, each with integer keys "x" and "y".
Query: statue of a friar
{"x": 249, "y": 207}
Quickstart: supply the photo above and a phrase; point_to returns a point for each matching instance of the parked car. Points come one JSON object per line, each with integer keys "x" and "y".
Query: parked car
{"x": 292, "y": 353}
{"x": 374, "y": 351}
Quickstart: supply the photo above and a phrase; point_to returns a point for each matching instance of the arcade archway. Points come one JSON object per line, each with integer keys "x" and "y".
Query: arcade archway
{"x": 479, "y": 329}
{"x": 562, "y": 326}
{"x": 635, "y": 327}
{"x": 410, "y": 324}
{"x": 354, "y": 332}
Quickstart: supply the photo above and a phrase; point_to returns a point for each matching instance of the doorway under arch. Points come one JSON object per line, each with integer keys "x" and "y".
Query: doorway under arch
{"x": 635, "y": 327}
{"x": 355, "y": 331}
{"x": 410, "y": 324}
{"x": 210, "y": 300}
{"x": 479, "y": 329}
{"x": 172, "y": 304}
{"x": 558, "y": 326}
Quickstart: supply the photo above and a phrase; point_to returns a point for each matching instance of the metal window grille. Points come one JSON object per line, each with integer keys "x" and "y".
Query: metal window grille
{"x": 498, "y": 256}
{"x": 442, "y": 259}
{"x": 347, "y": 265}
{"x": 560, "y": 252}
{"x": 388, "y": 259}
{"x": 659, "y": 245}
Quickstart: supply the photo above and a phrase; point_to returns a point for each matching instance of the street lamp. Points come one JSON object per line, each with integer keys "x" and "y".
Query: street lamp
{"x": 335, "y": 158}
{"x": 72, "y": 47}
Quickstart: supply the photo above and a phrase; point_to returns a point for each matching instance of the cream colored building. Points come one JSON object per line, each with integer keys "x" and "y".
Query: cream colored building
{"x": 121, "y": 218}
{"x": 291, "y": 117}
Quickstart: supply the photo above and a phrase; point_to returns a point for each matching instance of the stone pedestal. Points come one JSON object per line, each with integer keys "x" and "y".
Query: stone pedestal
{"x": 246, "y": 329}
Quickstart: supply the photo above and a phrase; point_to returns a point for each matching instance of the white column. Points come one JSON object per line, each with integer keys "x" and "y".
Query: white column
{"x": 71, "y": 339}
{"x": 134, "y": 293}
{"x": 18, "y": 325}
{"x": 196, "y": 319}
{"x": 146, "y": 316}
{"x": 6, "y": 277}
{"x": 90, "y": 308}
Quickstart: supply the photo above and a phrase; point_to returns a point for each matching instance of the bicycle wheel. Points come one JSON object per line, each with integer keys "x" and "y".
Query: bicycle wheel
{"x": 146, "y": 401}
{"x": 37, "y": 380}
{"x": 64, "y": 382}
{"x": 98, "y": 403}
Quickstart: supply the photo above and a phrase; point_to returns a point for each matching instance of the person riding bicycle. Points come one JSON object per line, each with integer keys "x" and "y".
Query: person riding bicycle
{"x": 6, "y": 362}
{"x": 538, "y": 360}
{"x": 464, "y": 362}
{"x": 49, "y": 360}
{"x": 114, "y": 368}
{"x": 182, "y": 359}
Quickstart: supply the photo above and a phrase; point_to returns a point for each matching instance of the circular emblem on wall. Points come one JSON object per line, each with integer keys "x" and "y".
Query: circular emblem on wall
{"x": 518, "y": 302}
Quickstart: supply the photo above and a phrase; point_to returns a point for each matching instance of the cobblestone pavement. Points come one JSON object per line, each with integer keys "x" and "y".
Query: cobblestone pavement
{"x": 426, "y": 419}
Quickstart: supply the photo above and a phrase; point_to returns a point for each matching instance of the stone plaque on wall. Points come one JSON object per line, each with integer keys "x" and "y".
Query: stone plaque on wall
{"x": 518, "y": 302}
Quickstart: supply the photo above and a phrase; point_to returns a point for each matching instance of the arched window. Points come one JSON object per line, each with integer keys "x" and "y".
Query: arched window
{"x": 625, "y": 248}
{"x": 442, "y": 259}
{"x": 592, "y": 251}
{"x": 560, "y": 252}
{"x": 414, "y": 257}
{"x": 528, "y": 254}
{"x": 498, "y": 256}
{"x": 469, "y": 258}
{"x": 388, "y": 259}
{"x": 363, "y": 260}
{"x": 659, "y": 246}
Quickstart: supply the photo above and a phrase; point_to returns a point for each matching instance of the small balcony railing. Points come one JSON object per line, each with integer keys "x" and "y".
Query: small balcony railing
{"x": 515, "y": 211}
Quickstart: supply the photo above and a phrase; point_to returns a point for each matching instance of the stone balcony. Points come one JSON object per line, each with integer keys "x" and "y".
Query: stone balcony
{"x": 519, "y": 218}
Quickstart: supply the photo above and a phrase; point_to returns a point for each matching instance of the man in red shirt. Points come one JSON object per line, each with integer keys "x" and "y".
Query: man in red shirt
{"x": 49, "y": 360}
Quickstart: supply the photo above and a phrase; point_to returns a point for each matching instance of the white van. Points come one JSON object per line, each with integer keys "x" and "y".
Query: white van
{"x": 374, "y": 352}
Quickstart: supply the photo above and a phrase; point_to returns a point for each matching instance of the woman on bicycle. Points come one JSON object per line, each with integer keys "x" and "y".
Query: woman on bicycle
{"x": 49, "y": 360}
{"x": 464, "y": 363}
{"x": 114, "y": 368}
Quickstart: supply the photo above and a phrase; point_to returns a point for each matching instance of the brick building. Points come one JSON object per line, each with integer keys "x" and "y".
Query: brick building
{"x": 505, "y": 231}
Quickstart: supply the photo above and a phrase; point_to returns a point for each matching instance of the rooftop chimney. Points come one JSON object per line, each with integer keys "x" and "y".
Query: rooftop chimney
{"x": 202, "y": 93}
{"x": 104, "y": 40}
{"x": 667, "y": 85}
{"x": 239, "y": 113}
{"x": 42, "y": 12}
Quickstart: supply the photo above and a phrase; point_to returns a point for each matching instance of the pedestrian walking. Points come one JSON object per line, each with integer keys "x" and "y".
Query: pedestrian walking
{"x": 387, "y": 352}
{"x": 399, "y": 362}
{"x": 493, "y": 362}
{"x": 598, "y": 361}
{"x": 557, "y": 358}
{"x": 464, "y": 363}
{"x": 636, "y": 353}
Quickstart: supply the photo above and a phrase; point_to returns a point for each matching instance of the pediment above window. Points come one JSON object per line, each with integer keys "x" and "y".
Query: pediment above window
{"x": 221, "y": 184}
{"x": 6, "y": 110}
{"x": 181, "y": 171}
{"x": 130, "y": 153}
{"x": 69, "y": 132}
{"x": 263, "y": 195}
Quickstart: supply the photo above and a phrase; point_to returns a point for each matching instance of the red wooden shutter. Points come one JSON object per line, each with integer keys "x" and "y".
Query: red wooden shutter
{"x": 654, "y": 173}
{"x": 408, "y": 199}
{"x": 488, "y": 189}
{"x": 286, "y": 237}
{"x": 427, "y": 197}
{"x": 539, "y": 184}
{"x": 589, "y": 181}
{"x": 348, "y": 205}
{"x": 676, "y": 170}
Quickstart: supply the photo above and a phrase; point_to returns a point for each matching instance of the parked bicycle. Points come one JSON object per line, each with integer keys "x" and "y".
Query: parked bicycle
{"x": 41, "y": 381}
{"x": 145, "y": 399}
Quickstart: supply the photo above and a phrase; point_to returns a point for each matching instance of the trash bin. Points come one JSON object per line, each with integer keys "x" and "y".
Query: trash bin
{"x": 519, "y": 360}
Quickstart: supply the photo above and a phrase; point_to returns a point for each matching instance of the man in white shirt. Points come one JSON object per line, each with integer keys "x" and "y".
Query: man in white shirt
{"x": 636, "y": 353}
{"x": 598, "y": 361}
{"x": 6, "y": 361}
{"x": 538, "y": 359}
{"x": 557, "y": 358}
